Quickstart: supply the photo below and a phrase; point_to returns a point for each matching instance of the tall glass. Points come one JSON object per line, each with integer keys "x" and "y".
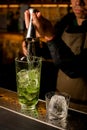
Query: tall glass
{"x": 28, "y": 75}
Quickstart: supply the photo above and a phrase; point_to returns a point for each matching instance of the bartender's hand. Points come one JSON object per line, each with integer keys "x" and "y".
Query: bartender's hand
{"x": 43, "y": 27}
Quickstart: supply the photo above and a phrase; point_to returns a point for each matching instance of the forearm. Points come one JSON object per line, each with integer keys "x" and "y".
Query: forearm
{"x": 59, "y": 51}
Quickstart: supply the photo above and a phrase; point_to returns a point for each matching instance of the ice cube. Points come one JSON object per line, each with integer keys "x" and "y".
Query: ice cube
{"x": 57, "y": 107}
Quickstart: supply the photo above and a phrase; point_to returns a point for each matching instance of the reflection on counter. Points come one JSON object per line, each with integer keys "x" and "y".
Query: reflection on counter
{"x": 77, "y": 118}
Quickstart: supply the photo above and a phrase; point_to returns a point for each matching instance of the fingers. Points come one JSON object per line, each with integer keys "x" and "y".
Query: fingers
{"x": 37, "y": 23}
{"x": 36, "y": 14}
{"x": 24, "y": 48}
{"x": 26, "y": 17}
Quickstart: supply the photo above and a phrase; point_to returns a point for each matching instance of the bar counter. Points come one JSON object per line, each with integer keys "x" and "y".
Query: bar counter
{"x": 35, "y": 120}
{"x": 9, "y": 100}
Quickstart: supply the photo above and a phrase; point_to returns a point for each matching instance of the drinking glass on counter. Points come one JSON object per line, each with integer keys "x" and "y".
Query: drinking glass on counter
{"x": 57, "y": 104}
{"x": 28, "y": 75}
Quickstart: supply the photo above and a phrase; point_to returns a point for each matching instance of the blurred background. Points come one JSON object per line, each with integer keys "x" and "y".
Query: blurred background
{"x": 12, "y": 30}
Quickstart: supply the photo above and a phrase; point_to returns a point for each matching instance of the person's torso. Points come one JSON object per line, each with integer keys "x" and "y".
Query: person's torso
{"x": 76, "y": 87}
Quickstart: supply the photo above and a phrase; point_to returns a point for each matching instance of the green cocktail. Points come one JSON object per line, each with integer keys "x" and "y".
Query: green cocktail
{"x": 28, "y": 84}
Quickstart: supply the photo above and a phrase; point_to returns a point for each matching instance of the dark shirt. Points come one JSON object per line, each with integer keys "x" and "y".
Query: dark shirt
{"x": 71, "y": 64}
